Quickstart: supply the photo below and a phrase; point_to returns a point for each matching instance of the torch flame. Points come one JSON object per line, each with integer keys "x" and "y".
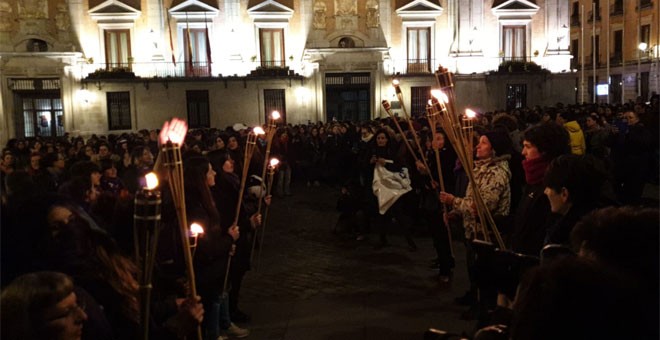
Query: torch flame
{"x": 470, "y": 114}
{"x": 152, "y": 180}
{"x": 395, "y": 82}
{"x": 274, "y": 162}
{"x": 440, "y": 95}
{"x": 275, "y": 115}
{"x": 258, "y": 131}
{"x": 196, "y": 229}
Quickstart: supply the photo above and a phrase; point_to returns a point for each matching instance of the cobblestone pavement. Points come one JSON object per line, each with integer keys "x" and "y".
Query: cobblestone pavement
{"x": 309, "y": 283}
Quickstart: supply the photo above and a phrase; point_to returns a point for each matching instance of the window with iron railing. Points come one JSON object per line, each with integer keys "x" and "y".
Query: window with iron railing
{"x": 575, "y": 16}
{"x": 198, "y": 108}
{"x": 275, "y": 100}
{"x": 617, "y": 56}
{"x": 589, "y": 60}
{"x": 575, "y": 53}
{"x": 42, "y": 114}
{"x": 645, "y": 34}
{"x": 119, "y": 110}
{"x": 118, "y": 49}
{"x": 575, "y": 20}
{"x": 197, "y": 52}
{"x": 514, "y": 43}
{"x": 271, "y": 42}
{"x": 595, "y": 49}
{"x": 516, "y": 96}
{"x": 645, "y": 3}
{"x": 419, "y": 50}
{"x": 419, "y": 97}
{"x": 616, "y": 8}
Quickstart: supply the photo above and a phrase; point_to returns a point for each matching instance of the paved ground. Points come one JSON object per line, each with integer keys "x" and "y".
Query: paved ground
{"x": 312, "y": 284}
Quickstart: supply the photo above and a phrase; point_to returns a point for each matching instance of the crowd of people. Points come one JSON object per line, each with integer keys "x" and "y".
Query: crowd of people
{"x": 552, "y": 177}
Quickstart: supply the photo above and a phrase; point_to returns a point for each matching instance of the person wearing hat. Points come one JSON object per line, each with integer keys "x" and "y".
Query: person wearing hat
{"x": 492, "y": 178}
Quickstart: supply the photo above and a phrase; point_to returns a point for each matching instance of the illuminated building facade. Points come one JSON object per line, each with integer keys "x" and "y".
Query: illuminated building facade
{"x": 109, "y": 66}
{"x": 615, "y": 43}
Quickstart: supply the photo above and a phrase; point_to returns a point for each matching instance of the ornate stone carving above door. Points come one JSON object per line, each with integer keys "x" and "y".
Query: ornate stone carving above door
{"x": 345, "y": 7}
{"x": 33, "y": 9}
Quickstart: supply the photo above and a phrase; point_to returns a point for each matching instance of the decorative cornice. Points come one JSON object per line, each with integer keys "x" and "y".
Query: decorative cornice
{"x": 270, "y": 10}
{"x": 513, "y": 9}
{"x": 121, "y": 13}
{"x": 193, "y": 10}
{"x": 419, "y": 9}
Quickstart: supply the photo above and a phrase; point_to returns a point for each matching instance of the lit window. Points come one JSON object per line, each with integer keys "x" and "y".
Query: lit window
{"x": 513, "y": 43}
{"x": 117, "y": 48}
{"x": 271, "y": 41}
{"x": 196, "y": 52}
{"x": 419, "y": 51}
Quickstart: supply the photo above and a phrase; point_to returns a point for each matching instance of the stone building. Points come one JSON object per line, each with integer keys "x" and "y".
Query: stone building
{"x": 108, "y": 66}
{"x": 616, "y": 49}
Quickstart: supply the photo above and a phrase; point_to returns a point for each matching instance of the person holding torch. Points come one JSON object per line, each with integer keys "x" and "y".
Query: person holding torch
{"x": 226, "y": 195}
{"x": 213, "y": 248}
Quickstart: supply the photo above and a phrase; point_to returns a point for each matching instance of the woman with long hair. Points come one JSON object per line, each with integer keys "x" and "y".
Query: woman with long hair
{"x": 64, "y": 238}
{"x": 226, "y": 194}
{"x": 385, "y": 153}
{"x": 212, "y": 250}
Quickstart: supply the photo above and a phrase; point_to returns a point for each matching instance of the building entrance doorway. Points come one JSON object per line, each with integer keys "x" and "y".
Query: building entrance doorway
{"x": 38, "y": 107}
{"x": 348, "y": 96}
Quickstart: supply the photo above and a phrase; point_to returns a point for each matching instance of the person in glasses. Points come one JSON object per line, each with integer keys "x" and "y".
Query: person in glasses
{"x": 41, "y": 305}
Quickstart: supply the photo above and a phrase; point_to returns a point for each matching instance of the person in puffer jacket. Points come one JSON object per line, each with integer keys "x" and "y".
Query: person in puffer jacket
{"x": 578, "y": 142}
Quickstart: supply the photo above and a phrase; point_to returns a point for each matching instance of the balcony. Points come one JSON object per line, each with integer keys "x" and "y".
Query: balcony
{"x": 575, "y": 20}
{"x": 198, "y": 69}
{"x": 645, "y": 4}
{"x": 616, "y": 9}
{"x": 616, "y": 58}
{"x": 523, "y": 59}
{"x": 273, "y": 63}
{"x": 589, "y": 61}
{"x": 591, "y": 15}
{"x": 147, "y": 70}
{"x": 418, "y": 66}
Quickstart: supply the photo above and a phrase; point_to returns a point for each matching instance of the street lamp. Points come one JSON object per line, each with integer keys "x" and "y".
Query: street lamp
{"x": 640, "y": 48}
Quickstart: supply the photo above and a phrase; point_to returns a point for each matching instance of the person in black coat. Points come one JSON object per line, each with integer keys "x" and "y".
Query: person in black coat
{"x": 631, "y": 159}
{"x": 225, "y": 194}
{"x": 385, "y": 153}
{"x": 213, "y": 248}
{"x": 541, "y": 144}
{"x": 430, "y": 206}
{"x": 573, "y": 187}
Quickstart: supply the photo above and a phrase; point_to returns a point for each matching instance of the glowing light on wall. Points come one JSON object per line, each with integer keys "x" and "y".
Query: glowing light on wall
{"x": 303, "y": 95}
{"x": 85, "y": 96}
{"x": 391, "y": 93}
